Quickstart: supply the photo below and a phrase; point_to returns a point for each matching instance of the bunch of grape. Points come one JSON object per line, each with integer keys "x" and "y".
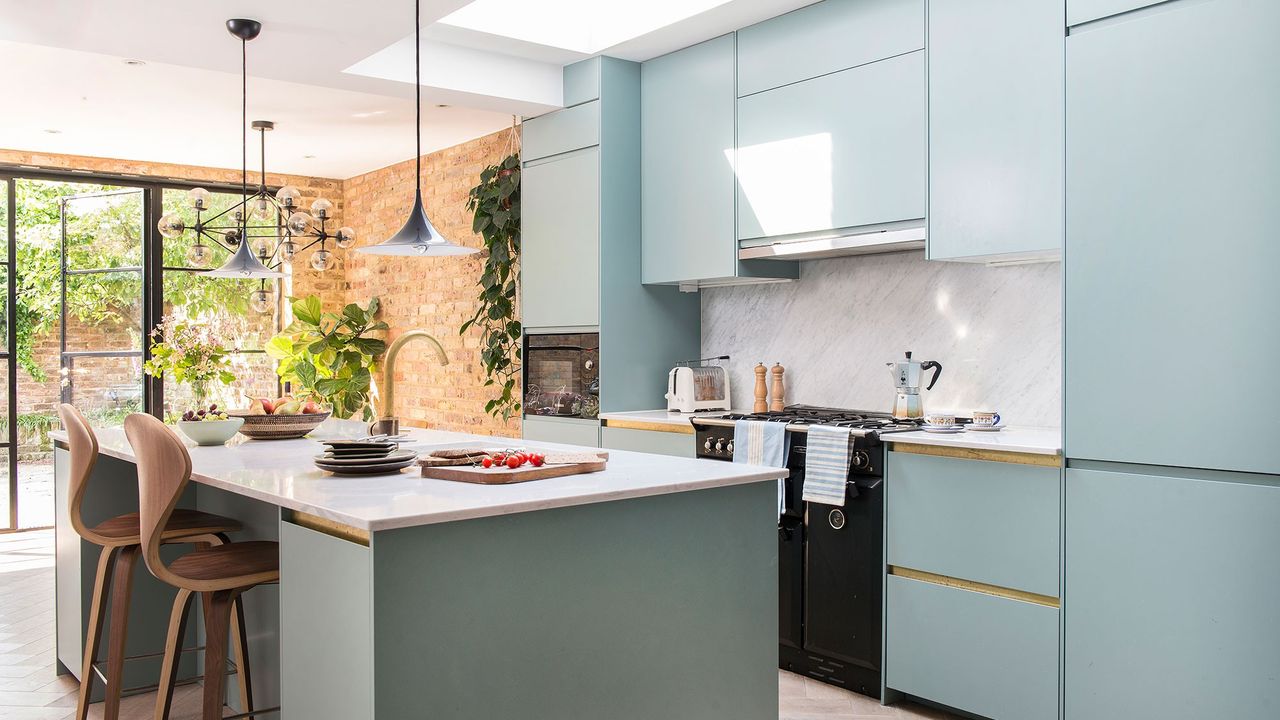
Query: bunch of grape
{"x": 201, "y": 414}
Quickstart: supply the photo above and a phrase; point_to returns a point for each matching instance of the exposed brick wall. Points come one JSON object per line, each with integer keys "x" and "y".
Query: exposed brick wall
{"x": 432, "y": 294}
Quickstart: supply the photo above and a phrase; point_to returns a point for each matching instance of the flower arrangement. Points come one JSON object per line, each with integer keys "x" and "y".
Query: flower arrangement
{"x": 195, "y": 351}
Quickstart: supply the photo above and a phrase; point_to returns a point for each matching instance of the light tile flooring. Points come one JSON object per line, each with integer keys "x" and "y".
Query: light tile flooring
{"x": 31, "y": 690}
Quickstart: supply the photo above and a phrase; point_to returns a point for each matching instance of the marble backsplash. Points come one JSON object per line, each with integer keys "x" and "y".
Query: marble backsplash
{"x": 996, "y": 330}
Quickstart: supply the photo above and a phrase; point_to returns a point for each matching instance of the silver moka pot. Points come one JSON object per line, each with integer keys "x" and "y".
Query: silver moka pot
{"x": 906, "y": 377}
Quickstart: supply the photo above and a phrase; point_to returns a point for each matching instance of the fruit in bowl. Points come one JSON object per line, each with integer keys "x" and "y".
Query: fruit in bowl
{"x": 282, "y": 418}
{"x": 209, "y": 426}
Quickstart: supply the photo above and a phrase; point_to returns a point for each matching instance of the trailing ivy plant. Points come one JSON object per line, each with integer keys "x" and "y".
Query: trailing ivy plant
{"x": 495, "y": 203}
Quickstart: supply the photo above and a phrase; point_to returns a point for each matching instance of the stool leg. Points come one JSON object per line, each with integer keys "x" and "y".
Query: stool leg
{"x": 97, "y": 608}
{"x": 121, "y": 593}
{"x": 217, "y": 621}
{"x": 240, "y": 643}
{"x": 172, "y": 653}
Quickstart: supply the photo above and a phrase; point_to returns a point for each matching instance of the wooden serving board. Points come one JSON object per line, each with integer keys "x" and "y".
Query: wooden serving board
{"x": 507, "y": 476}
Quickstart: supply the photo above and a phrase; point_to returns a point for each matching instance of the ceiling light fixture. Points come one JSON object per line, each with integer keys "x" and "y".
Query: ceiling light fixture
{"x": 134, "y": 63}
{"x": 418, "y": 236}
{"x": 53, "y": 131}
{"x": 258, "y": 249}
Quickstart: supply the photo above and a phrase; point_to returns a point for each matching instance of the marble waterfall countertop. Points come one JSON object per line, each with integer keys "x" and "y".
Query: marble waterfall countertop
{"x": 282, "y": 472}
{"x": 1013, "y": 438}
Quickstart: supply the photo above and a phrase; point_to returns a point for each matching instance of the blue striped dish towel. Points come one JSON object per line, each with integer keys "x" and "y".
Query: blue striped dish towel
{"x": 826, "y": 467}
{"x": 762, "y": 443}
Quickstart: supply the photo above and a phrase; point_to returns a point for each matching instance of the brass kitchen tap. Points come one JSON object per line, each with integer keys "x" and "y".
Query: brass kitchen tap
{"x": 388, "y": 423}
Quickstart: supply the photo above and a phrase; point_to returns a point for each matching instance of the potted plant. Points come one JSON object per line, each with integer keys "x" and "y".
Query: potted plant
{"x": 194, "y": 351}
{"x": 331, "y": 357}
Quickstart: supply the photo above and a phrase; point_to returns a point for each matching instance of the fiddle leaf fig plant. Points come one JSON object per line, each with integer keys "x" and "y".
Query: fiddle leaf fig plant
{"x": 331, "y": 357}
{"x": 495, "y": 204}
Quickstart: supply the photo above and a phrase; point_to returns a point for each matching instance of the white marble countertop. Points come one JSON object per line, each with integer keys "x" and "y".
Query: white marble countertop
{"x": 1014, "y": 438}
{"x": 660, "y": 417}
{"x": 281, "y": 472}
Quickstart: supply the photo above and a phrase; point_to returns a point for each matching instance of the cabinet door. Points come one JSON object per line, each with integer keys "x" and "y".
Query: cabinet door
{"x": 1082, "y": 11}
{"x": 826, "y": 37}
{"x": 561, "y": 131}
{"x": 568, "y": 431}
{"x": 647, "y": 441}
{"x": 687, "y": 195}
{"x": 842, "y": 150}
{"x": 560, "y": 241}
{"x": 1170, "y": 596}
{"x": 1171, "y": 257}
{"x": 996, "y": 97}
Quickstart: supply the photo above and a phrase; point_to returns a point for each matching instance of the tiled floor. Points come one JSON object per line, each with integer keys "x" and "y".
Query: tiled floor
{"x": 31, "y": 690}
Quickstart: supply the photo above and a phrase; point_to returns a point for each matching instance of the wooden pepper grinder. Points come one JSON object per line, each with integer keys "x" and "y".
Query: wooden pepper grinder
{"x": 762, "y": 392}
{"x": 778, "y": 393}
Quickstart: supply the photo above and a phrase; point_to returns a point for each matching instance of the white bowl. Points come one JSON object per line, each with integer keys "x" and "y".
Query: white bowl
{"x": 210, "y": 432}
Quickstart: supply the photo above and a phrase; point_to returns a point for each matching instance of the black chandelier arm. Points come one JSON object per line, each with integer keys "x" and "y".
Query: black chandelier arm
{"x": 216, "y": 241}
{"x": 313, "y": 243}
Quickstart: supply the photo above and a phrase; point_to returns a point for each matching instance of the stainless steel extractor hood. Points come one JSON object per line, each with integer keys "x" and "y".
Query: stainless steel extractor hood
{"x": 866, "y": 240}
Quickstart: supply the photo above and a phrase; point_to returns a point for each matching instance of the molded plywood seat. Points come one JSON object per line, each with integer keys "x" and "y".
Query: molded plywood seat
{"x": 120, "y": 539}
{"x": 222, "y": 572}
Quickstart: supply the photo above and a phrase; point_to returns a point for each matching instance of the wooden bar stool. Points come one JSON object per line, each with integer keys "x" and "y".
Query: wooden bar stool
{"x": 120, "y": 541}
{"x": 222, "y": 572}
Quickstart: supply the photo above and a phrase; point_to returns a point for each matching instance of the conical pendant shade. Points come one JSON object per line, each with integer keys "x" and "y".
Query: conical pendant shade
{"x": 243, "y": 264}
{"x": 417, "y": 237}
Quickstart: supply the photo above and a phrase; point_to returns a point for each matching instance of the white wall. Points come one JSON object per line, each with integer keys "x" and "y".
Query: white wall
{"x": 996, "y": 331}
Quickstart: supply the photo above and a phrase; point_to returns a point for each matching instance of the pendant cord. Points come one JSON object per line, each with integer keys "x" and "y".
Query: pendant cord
{"x": 417, "y": 88}
{"x": 244, "y": 137}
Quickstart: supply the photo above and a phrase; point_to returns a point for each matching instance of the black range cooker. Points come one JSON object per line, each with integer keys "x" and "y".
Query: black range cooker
{"x": 830, "y": 559}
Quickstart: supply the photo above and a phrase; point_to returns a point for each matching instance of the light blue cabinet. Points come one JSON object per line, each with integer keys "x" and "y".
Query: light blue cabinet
{"x": 569, "y": 431}
{"x": 996, "y": 104}
{"x": 1171, "y": 248}
{"x": 560, "y": 235}
{"x": 992, "y": 656}
{"x": 657, "y": 442}
{"x": 1170, "y": 595}
{"x": 582, "y": 81}
{"x": 1082, "y": 11}
{"x": 838, "y": 151}
{"x": 826, "y": 37}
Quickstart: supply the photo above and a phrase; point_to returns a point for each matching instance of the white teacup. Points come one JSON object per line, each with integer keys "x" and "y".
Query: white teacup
{"x": 941, "y": 421}
{"x": 986, "y": 418}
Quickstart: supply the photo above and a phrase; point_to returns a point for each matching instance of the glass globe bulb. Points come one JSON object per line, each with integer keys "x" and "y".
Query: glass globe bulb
{"x": 322, "y": 260}
{"x": 171, "y": 225}
{"x": 288, "y": 196}
{"x": 298, "y": 223}
{"x": 262, "y": 301}
{"x": 260, "y": 207}
{"x": 232, "y": 237}
{"x": 345, "y": 238}
{"x": 262, "y": 247}
{"x": 321, "y": 207}
{"x": 199, "y": 198}
{"x": 287, "y": 250}
{"x": 198, "y": 255}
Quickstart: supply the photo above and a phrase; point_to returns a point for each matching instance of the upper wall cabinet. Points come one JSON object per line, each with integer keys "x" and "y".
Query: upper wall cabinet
{"x": 687, "y": 150}
{"x": 826, "y": 37}
{"x": 1082, "y": 11}
{"x": 838, "y": 151}
{"x": 996, "y": 103}
{"x": 560, "y": 234}
{"x": 562, "y": 131}
{"x": 1171, "y": 252}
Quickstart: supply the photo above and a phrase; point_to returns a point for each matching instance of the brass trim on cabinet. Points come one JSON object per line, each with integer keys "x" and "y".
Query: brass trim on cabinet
{"x": 973, "y": 586}
{"x": 685, "y": 429}
{"x": 963, "y": 453}
{"x": 329, "y": 527}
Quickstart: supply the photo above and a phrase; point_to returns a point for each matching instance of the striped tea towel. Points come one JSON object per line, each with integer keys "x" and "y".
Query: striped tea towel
{"x": 826, "y": 467}
{"x": 762, "y": 443}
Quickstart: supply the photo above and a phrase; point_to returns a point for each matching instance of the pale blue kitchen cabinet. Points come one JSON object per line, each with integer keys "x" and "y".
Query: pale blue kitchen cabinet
{"x": 582, "y": 81}
{"x": 838, "y": 151}
{"x": 1171, "y": 244}
{"x": 560, "y": 241}
{"x": 1082, "y": 11}
{"x": 1171, "y": 591}
{"x": 562, "y": 131}
{"x": 687, "y": 131}
{"x": 996, "y": 104}
{"x": 569, "y": 431}
{"x": 658, "y": 442}
{"x": 826, "y": 37}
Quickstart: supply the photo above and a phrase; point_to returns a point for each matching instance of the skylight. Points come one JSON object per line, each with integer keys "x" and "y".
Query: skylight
{"x": 585, "y": 26}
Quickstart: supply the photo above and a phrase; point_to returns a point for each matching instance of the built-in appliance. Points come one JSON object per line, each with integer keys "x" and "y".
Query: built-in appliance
{"x": 562, "y": 374}
{"x": 830, "y": 559}
{"x": 906, "y": 378}
{"x": 694, "y": 386}
{"x": 866, "y": 240}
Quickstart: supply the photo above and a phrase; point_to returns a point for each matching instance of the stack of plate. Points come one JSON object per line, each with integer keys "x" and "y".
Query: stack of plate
{"x": 355, "y": 457}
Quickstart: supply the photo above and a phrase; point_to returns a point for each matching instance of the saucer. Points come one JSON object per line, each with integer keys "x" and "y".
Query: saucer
{"x": 942, "y": 430}
{"x": 984, "y": 428}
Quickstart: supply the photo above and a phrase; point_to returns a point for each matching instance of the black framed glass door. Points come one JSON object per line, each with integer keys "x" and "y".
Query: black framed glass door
{"x": 9, "y": 437}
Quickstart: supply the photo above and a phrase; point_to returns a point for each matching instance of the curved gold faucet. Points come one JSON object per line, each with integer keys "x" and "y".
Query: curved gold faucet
{"x": 388, "y": 382}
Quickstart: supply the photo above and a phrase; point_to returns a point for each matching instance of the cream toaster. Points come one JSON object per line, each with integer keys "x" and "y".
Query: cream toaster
{"x": 693, "y": 388}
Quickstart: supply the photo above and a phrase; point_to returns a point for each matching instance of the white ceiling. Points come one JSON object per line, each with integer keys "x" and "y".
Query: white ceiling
{"x": 336, "y": 76}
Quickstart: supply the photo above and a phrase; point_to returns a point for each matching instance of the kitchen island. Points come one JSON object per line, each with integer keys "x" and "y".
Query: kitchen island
{"x": 648, "y": 590}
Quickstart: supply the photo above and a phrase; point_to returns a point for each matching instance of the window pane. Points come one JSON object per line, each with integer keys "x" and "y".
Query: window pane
{"x": 104, "y": 311}
{"x": 191, "y": 295}
{"x": 104, "y": 229}
{"x": 105, "y": 389}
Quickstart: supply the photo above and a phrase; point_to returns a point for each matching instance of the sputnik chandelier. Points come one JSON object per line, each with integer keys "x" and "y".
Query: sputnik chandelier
{"x": 263, "y": 231}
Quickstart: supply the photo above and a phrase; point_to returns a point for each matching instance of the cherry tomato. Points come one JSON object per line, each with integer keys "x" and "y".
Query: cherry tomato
{"x": 487, "y": 462}
{"x": 514, "y": 462}
{"x": 499, "y": 459}
{"x": 524, "y": 457}
{"x": 537, "y": 460}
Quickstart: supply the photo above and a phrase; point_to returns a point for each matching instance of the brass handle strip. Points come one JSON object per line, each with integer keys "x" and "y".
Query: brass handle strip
{"x": 963, "y": 453}
{"x": 329, "y": 527}
{"x": 682, "y": 429}
{"x": 974, "y": 586}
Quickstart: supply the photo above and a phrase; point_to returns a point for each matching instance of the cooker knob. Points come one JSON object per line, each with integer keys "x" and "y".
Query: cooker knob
{"x": 707, "y": 445}
{"x": 861, "y": 460}
{"x": 729, "y": 448}
{"x": 720, "y": 445}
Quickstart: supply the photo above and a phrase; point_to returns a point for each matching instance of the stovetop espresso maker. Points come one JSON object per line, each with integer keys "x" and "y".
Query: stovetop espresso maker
{"x": 906, "y": 377}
